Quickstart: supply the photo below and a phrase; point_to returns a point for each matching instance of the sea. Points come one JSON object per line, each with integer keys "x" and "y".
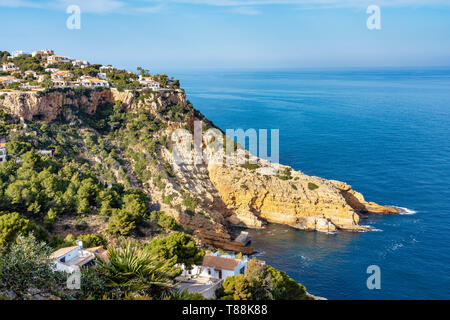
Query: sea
{"x": 386, "y": 132}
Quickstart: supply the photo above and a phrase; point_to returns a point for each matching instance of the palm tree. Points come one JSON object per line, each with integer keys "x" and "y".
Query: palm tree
{"x": 131, "y": 270}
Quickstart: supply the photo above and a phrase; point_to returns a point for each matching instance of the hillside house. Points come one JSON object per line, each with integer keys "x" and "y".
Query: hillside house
{"x": 60, "y": 75}
{"x": 90, "y": 82}
{"x": 57, "y": 59}
{"x": 45, "y": 53}
{"x": 8, "y": 79}
{"x": 2, "y": 149}
{"x": 217, "y": 266}
{"x": 51, "y": 70}
{"x": 102, "y": 75}
{"x": 108, "y": 68}
{"x": 17, "y": 53}
{"x": 48, "y": 153}
{"x": 31, "y": 73}
{"x": 149, "y": 83}
{"x": 10, "y": 67}
{"x": 80, "y": 63}
{"x": 27, "y": 86}
{"x": 61, "y": 83}
{"x": 68, "y": 259}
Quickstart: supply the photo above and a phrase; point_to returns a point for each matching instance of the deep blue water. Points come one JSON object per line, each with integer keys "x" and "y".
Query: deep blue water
{"x": 385, "y": 132}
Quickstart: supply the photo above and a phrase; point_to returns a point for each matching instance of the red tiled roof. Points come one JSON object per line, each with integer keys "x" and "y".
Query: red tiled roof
{"x": 100, "y": 252}
{"x": 220, "y": 262}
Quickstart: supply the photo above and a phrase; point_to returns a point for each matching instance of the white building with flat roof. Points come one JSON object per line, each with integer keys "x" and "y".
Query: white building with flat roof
{"x": 71, "y": 258}
{"x": 2, "y": 149}
{"x": 10, "y": 67}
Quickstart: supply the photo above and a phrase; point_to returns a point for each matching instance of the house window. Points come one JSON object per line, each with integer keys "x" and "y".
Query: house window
{"x": 242, "y": 271}
{"x": 209, "y": 271}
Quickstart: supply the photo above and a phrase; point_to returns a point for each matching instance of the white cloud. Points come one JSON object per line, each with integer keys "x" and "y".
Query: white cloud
{"x": 328, "y": 3}
{"x": 249, "y": 11}
{"x": 154, "y": 9}
{"x": 248, "y": 7}
{"x": 19, "y": 3}
{"x": 94, "y": 6}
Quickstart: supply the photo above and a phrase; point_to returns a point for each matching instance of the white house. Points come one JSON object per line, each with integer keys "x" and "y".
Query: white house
{"x": 80, "y": 63}
{"x": 57, "y": 59}
{"x": 102, "y": 75}
{"x": 8, "y": 79}
{"x": 91, "y": 82}
{"x": 44, "y": 53}
{"x": 10, "y": 67}
{"x": 31, "y": 73}
{"x": 17, "y": 53}
{"x": 68, "y": 259}
{"x": 2, "y": 149}
{"x": 217, "y": 266}
{"x": 51, "y": 70}
{"x": 60, "y": 75}
{"x": 106, "y": 68}
{"x": 60, "y": 83}
{"x": 28, "y": 86}
{"x": 48, "y": 153}
{"x": 149, "y": 83}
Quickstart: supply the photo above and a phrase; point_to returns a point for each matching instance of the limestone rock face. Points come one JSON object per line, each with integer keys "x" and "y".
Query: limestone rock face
{"x": 301, "y": 201}
{"x": 46, "y": 107}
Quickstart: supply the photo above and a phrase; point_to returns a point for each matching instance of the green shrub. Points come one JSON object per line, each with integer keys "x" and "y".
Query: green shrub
{"x": 312, "y": 186}
{"x": 121, "y": 224}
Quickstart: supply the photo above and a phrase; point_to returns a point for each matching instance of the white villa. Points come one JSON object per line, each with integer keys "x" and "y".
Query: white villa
{"x": 51, "y": 70}
{"x": 60, "y": 75}
{"x": 91, "y": 82}
{"x": 61, "y": 83}
{"x": 149, "y": 83}
{"x": 28, "y": 86}
{"x": 11, "y": 67}
{"x": 31, "y": 72}
{"x": 102, "y": 75}
{"x": 8, "y": 79}
{"x": 80, "y": 63}
{"x": 70, "y": 258}
{"x": 2, "y": 149}
{"x": 106, "y": 68}
{"x": 44, "y": 53}
{"x": 217, "y": 266}
{"x": 57, "y": 59}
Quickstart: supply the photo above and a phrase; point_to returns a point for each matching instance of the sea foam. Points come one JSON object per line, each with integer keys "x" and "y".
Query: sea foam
{"x": 405, "y": 210}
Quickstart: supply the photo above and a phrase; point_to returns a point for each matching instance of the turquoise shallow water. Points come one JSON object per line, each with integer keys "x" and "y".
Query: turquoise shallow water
{"x": 385, "y": 132}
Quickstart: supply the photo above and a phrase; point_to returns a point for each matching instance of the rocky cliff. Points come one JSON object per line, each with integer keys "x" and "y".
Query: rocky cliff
{"x": 39, "y": 106}
{"x": 225, "y": 195}
{"x": 301, "y": 201}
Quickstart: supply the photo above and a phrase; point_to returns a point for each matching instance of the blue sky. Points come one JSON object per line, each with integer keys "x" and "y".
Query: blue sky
{"x": 193, "y": 34}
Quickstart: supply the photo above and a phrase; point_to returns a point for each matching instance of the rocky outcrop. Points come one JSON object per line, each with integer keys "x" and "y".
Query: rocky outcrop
{"x": 48, "y": 106}
{"x": 309, "y": 203}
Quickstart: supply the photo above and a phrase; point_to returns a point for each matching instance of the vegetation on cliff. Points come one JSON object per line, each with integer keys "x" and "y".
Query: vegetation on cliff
{"x": 101, "y": 178}
{"x": 261, "y": 282}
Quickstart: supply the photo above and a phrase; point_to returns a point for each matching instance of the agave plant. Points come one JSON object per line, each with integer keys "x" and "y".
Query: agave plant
{"x": 132, "y": 270}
